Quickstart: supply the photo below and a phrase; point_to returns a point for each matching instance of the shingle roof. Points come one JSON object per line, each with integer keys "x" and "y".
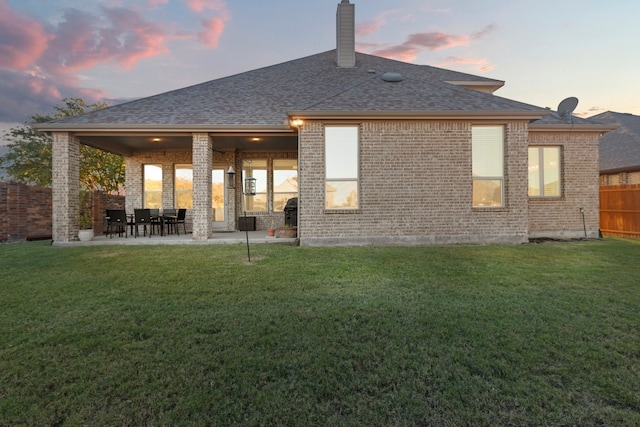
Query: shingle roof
{"x": 620, "y": 148}
{"x": 263, "y": 97}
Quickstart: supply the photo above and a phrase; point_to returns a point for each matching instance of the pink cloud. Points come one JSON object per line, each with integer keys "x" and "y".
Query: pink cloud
{"x": 134, "y": 37}
{"x": 480, "y": 64}
{"x": 83, "y": 41}
{"x": 365, "y": 28}
{"x": 416, "y": 42}
{"x": 438, "y": 41}
{"x": 401, "y": 52}
{"x": 199, "y": 6}
{"x": 22, "y": 40}
{"x": 23, "y": 94}
{"x": 213, "y": 28}
{"x": 41, "y": 63}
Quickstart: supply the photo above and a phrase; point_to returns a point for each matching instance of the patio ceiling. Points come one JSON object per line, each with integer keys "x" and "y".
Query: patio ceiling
{"x": 127, "y": 144}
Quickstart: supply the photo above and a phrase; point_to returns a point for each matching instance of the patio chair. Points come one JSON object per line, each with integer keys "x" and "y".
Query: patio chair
{"x": 156, "y": 222}
{"x": 174, "y": 222}
{"x": 182, "y": 214}
{"x": 170, "y": 216}
{"x": 142, "y": 217}
{"x": 116, "y": 222}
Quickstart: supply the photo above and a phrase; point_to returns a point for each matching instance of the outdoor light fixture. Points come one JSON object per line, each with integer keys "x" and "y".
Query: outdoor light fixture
{"x": 296, "y": 123}
{"x": 249, "y": 182}
{"x": 249, "y": 186}
{"x": 231, "y": 178}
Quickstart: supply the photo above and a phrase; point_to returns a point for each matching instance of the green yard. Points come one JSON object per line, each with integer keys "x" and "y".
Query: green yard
{"x": 537, "y": 334}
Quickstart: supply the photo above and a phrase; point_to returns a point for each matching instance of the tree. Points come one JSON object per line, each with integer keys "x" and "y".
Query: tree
{"x": 29, "y": 157}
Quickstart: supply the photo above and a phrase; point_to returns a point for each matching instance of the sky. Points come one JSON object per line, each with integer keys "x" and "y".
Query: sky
{"x": 118, "y": 50}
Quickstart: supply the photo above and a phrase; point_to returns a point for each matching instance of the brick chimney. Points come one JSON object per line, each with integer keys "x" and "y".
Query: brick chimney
{"x": 345, "y": 35}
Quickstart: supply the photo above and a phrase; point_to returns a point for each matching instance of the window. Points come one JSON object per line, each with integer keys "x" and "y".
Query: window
{"x": 217, "y": 194}
{"x": 544, "y": 171}
{"x": 184, "y": 186}
{"x": 341, "y": 167}
{"x": 285, "y": 182}
{"x": 487, "y": 146}
{"x": 258, "y": 170}
{"x": 152, "y": 183}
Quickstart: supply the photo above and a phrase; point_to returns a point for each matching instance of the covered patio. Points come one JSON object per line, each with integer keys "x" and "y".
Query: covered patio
{"x": 202, "y": 171}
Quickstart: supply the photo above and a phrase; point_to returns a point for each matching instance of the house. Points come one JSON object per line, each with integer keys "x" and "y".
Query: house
{"x": 620, "y": 175}
{"x": 378, "y": 152}
{"x": 619, "y": 149}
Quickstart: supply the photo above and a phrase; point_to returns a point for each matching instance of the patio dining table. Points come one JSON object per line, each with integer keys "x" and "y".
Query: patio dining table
{"x": 162, "y": 218}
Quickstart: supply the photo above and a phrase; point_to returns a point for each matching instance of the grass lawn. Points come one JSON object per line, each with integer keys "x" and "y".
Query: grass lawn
{"x": 538, "y": 334}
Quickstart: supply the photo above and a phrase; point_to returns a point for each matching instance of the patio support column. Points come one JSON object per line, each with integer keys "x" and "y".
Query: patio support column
{"x": 65, "y": 183}
{"x": 202, "y": 162}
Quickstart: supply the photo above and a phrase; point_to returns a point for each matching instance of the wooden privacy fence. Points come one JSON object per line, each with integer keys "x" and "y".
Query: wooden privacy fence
{"x": 620, "y": 210}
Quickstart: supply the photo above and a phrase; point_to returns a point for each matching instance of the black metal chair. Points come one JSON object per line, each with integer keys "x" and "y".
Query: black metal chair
{"x": 116, "y": 222}
{"x": 182, "y": 214}
{"x": 156, "y": 222}
{"x": 142, "y": 217}
{"x": 170, "y": 216}
{"x": 173, "y": 222}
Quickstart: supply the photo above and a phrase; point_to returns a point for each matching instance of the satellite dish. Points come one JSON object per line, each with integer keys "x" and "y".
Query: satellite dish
{"x": 566, "y": 107}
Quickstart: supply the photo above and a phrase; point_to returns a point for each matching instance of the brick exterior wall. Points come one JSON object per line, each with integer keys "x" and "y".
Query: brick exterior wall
{"x": 134, "y": 185}
{"x": 202, "y": 162}
{"x": 65, "y": 186}
{"x": 561, "y": 217}
{"x": 26, "y": 211}
{"x": 415, "y": 187}
{"x": 264, "y": 220}
{"x": 100, "y": 202}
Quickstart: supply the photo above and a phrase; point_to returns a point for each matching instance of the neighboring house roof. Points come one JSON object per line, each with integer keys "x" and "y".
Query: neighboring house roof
{"x": 311, "y": 86}
{"x": 620, "y": 148}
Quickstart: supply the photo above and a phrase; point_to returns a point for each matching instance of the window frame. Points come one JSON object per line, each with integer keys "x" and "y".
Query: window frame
{"x": 176, "y": 192}
{"x": 145, "y": 191}
{"x": 541, "y": 175}
{"x": 329, "y": 178}
{"x": 500, "y": 178}
{"x": 274, "y": 193}
{"x": 219, "y": 212}
{"x": 264, "y": 193}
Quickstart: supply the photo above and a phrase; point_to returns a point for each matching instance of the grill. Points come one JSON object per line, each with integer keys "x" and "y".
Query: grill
{"x": 291, "y": 212}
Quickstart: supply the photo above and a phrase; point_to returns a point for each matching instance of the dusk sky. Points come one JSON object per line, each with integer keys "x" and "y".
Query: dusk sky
{"x": 115, "y": 50}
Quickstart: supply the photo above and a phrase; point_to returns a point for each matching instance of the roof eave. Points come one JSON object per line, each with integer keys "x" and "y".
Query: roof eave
{"x": 571, "y": 128}
{"x": 418, "y": 115}
{"x": 492, "y": 85}
{"x": 181, "y": 128}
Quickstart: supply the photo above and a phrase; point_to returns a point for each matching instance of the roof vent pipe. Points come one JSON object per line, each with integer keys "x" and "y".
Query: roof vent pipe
{"x": 345, "y": 35}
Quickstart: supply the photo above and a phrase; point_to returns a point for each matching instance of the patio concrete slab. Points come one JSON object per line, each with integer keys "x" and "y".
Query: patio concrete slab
{"x": 218, "y": 238}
